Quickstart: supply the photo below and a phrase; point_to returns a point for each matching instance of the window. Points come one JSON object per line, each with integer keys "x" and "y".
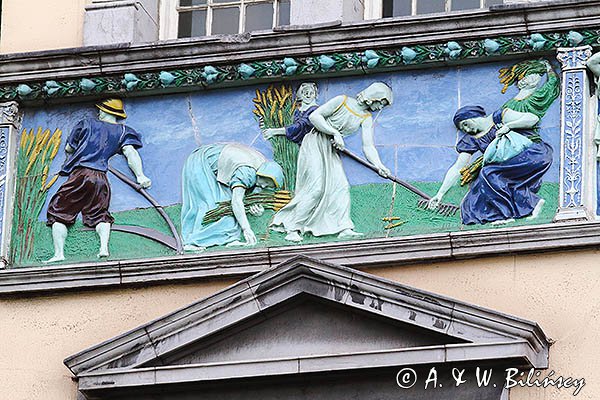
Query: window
{"x": 400, "y": 8}
{"x": 190, "y": 18}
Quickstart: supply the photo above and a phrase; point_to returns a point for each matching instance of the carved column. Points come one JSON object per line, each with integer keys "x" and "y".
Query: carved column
{"x": 10, "y": 123}
{"x": 577, "y": 155}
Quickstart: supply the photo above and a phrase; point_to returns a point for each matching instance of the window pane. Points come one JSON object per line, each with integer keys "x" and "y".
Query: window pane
{"x": 388, "y": 8}
{"x": 225, "y": 20}
{"x": 492, "y": 2}
{"x": 430, "y": 6}
{"x": 187, "y": 3}
{"x": 284, "y": 12}
{"x": 225, "y": 1}
{"x": 259, "y": 17}
{"x": 401, "y": 8}
{"x": 192, "y": 24}
{"x": 465, "y": 4}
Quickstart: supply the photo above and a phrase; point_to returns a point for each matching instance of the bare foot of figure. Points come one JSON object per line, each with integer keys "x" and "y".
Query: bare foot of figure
{"x": 103, "y": 253}
{"x": 502, "y": 222}
{"x": 235, "y": 243}
{"x": 536, "y": 210}
{"x": 194, "y": 248}
{"x": 349, "y": 234}
{"x": 293, "y": 236}
{"x": 56, "y": 258}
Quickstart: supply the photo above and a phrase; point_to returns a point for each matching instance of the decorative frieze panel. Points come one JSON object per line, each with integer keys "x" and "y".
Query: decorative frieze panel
{"x": 338, "y": 159}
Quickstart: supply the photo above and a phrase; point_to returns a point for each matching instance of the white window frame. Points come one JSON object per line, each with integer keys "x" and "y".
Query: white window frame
{"x": 169, "y": 14}
{"x": 374, "y": 8}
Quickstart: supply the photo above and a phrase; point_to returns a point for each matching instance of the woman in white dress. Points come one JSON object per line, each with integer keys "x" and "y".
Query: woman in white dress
{"x": 321, "y": 204}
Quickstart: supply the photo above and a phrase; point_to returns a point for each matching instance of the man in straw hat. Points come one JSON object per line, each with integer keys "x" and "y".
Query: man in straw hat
{"x": 90, "y": 145}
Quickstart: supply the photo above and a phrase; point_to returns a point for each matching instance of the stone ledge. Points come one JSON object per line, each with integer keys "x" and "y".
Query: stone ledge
{"x": 111, "y": 4}
{"x": 507, "y": 352}
{"x": 358, "y": 254}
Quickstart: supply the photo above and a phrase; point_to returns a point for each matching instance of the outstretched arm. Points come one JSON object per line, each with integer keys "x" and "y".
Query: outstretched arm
{"x": 135, "y": 164}
{"x": 368, "y": 147}
{"x": 452, "y": 177}
{"x": 269, "y": 133}
{"x": 239, "y": 213}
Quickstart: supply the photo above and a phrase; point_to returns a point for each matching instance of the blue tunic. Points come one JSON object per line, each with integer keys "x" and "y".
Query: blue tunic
{"x": 301, "y": 126}
{"x": 95, "y": 142}
{"x": 201, "y": 192}
{"x": 507, "y": 189}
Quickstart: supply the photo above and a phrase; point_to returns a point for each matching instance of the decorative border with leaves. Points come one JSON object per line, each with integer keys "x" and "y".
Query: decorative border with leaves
{"x": 288, "y": 67}
{"x": 4, "y": 132}
{"x": 572, "y": 142}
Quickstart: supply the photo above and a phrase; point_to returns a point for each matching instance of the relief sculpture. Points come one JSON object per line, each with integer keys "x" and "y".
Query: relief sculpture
{"x": 321, "y": 205}
{"x": 514, "y": 161}
{"x": 218, "y": 173}
{"x": 279, "y": 164}
{"x": 90, "y": 145}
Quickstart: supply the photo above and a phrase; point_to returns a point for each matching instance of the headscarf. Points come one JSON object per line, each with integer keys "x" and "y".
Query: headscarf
{"x": 313, "y": 102}
{"x": 376, "y": 92}
{"x": 468, "y": 112}
{"x": 273, "y": 171}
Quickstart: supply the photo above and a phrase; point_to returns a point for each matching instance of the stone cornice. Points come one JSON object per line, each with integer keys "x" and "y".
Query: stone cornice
{"x": 359, "y": 254}
{"x": 357, "y": 48}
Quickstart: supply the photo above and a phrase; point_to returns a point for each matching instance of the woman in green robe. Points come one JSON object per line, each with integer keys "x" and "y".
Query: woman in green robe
{"x": 532, "y": 97}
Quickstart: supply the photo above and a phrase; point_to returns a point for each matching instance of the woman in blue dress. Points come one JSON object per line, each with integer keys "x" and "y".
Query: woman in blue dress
{"x": 222, "y": 172}
{"x": 506, "y": 189}
{"x": 307, "y": 96}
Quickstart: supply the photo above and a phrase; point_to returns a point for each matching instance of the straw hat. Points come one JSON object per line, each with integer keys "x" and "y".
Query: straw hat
{"x": 113, "y": 107}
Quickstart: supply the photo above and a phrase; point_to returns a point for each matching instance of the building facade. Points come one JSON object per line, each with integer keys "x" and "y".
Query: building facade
{"x": 299, "y": 199}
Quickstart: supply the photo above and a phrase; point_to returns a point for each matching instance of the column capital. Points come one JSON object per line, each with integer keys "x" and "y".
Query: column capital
{"x": 10, "y": 114}
{"x": 573, "y": 57}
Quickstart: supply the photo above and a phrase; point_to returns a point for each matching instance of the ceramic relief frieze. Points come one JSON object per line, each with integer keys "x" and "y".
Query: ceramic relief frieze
{"x": 294, "y": 162}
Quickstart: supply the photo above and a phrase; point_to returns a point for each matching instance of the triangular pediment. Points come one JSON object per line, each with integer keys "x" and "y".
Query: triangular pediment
{"x": 303, "y": 327}
{"x": 306, "y": 316}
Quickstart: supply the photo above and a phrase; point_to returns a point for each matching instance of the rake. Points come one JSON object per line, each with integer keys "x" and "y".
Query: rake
{"x": 443, "y": 209}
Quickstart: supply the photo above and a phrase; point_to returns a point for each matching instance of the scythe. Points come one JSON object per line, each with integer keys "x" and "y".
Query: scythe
{"x": 174, "y": 242}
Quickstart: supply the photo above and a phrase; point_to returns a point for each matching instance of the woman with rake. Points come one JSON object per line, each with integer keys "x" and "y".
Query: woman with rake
{"x": 514, "y": 162}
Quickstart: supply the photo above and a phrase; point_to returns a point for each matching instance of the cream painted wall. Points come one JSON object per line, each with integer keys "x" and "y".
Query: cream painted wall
{"x": 559, "y": 291}
{"x": 29, "y": 25}
{"x": 38, "y": 333}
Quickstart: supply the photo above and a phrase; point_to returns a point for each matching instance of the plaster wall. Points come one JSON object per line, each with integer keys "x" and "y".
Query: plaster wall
{"x": 41, "y": 25}
{"x": 558, "y": 290}
{"x": 307, "y": 12}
